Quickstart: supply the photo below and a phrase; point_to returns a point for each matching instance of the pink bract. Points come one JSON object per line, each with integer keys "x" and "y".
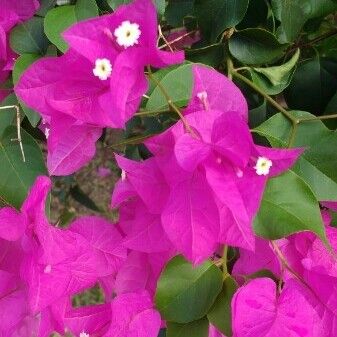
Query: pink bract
{"x": 133, "y": 315}
{"x": 259, "y": 311}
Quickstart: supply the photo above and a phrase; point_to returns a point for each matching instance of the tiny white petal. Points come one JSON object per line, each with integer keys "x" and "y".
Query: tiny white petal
{"x": 83, "y": 334}
{"x": 263, "y": 166}
{"x": 127, "y": 34}
{"x": 103, "y": 69}
{"x": 47, "y": 132}
{"x": 47, "y": 269}
{"x": 203, "y": 97}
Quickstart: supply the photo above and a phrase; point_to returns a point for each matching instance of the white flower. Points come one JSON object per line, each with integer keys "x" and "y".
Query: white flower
{"x": 263, "y": 166}
{"x": 83, "y": 334}
{"x": 103, "y": 69}
{"x": 127, "y": 34}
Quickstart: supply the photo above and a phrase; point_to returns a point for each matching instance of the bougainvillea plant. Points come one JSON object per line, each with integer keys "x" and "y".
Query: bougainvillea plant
{"x": 223, "y": 220}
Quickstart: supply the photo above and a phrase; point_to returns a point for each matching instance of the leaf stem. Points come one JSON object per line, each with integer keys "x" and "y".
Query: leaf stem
{"x": 224, "y": 263}
{"x": 151, "y": 112}
{"x": 170, "y": 102}
{"x": 309, "y": 119}
{"x": 270, "y": 100}
{"x": 314, "y": 41}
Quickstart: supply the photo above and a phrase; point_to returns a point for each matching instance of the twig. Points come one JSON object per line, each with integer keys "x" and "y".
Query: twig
{"x": 177, "y": 39}
{"x": 224, "y": 263}
{"x": 170, "y": 102}
{"x": 266, "y": 96}
{"x": 164, "y": 38}
{"x": 18, "y": 128}
{"x": 311, "y": 42}
{"x": 315, "y": 118}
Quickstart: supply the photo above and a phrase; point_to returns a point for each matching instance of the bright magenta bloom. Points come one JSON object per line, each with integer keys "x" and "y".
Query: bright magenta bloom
{"x": 206, "y": 186}
{"x": 101, "y": 79}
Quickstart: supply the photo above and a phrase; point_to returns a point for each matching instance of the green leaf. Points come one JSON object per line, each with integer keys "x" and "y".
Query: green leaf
{"x": 160, "y": 4}
{"x": 56, "y": 22}
{"x": 17, "y": 176}
{"x": 288, "y": 206}
{"x": 115, "y": 3}
{"x": 220, "y": 314}
{"x": 257, "y": 115}
{"x": 274, "y": 80}
{"x": 177, "y": 10}
{"x": 186, "y": 293}
{"x": 85, "y": 9}
{"x": 313, "y": 85}
{"x": 29, "y": 37}
{"x": 81, "y": 197}
{"x": 294, "y": 14}
{"x": 215, "y": 16}
{"x": 194, "y": 329}
{"x": 212, "y": 55}
{"x": 331, "y": 108}
{"x": 45, "y": 6}
{"x": 7, "y": 116}
{"x": 21, "y": 64}
{"x": 256, "y": 14}
{"x": 177, "y": 83}
{"x": 317, "y": 168}
{"x": 255, "y": 46}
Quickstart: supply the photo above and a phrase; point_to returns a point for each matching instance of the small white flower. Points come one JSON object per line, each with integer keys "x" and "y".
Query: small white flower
{"x": 47, "y": 132}
{"x": 103, "y": 69}
{"x": 203, "y": 97}
{"x": 263, "y": 166}
{"x": 47, "y": 269}
{"x": 127, "y": 34}
{"x": 83, "y": 334}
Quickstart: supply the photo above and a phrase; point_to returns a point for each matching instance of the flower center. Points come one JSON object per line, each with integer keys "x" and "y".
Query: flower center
{"x": 103, "y": 69}
{"x": 127, "y": 34}
{"x": 263, "y": 166}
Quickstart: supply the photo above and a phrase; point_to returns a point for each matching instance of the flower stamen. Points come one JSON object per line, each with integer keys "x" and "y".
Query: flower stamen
{"x": 103, "y": 69}
{"x": 263, "y": 166}
{"x": 127, "y": 34}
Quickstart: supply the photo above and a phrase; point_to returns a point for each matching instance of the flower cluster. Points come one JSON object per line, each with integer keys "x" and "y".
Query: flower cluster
{"x": 11, "y": 13}
{"x": 306, "y": 304}
{"x": 42, "y": 266}
{"x": 204, "y": 185}
{"x": 200, "y": 190}
{"x": 97, "y": 83}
